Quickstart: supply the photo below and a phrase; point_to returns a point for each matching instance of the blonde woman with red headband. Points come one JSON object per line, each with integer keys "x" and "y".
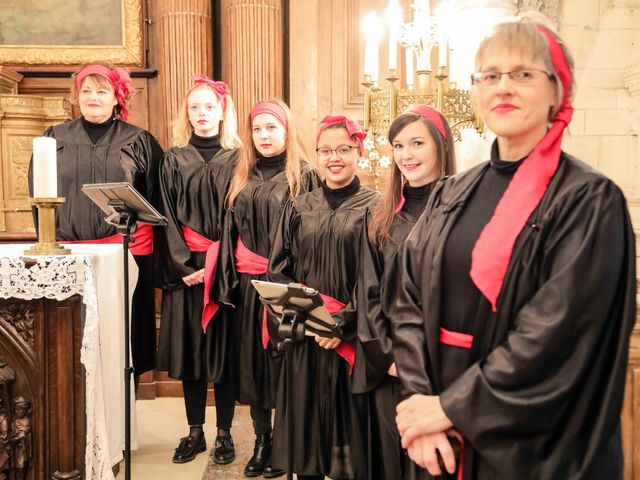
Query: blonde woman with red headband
{"x": 194, "y": 179}
{"x": 101, "y": 147}
{"x": 423, "y": 152}
{"x": 513, "y": 298}
{"x": 272, "y": 167}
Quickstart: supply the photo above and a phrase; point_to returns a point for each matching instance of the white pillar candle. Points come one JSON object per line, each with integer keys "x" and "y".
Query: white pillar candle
{"x": 442, "y": 53}
{"x": 394, "y": 16}
{"x": 45, "y": 171}
{"x": 409, "y": 68}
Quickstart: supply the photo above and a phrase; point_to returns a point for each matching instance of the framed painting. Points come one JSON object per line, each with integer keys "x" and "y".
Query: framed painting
{"x": 71, "y": 32}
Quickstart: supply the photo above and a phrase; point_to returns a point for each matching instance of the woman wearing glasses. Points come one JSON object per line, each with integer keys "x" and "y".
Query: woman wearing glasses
{"x": 423, "y": 152}
{"x": 505, "y": 337}
{"x": 273, "y": 165}
{"x": 318, "y": 244}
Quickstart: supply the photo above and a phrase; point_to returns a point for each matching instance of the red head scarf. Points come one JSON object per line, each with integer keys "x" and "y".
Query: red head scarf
{"x": 270, "y": 108}
{"x": 221, "y": 89}
{"x": 492, "y": 251}
{"x": 118, "y": 78}
{"x": 432, "y": 115}
{"x": 353, "y": 128}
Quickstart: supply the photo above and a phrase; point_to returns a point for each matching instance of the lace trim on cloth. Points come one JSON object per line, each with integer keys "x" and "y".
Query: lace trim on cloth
{"x": 58, "y": 278}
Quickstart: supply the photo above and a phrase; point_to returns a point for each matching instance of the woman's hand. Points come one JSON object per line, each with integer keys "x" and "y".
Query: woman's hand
{"x": 420, "y": 415}
{"x": 195, "y": 278}
{"x": 424, "y": 451}
{"x": 327, "y": 343}
{"x": 393, "y": 371}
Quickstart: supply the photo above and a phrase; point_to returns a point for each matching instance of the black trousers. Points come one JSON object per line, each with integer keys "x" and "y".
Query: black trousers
{"x": 261, "y": 419}
{"x": 195, "y": 402}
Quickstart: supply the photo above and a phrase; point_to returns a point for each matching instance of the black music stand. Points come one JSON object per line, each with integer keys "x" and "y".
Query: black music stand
{"x": 125, "y": 207}
{"x": 299, "y": 309}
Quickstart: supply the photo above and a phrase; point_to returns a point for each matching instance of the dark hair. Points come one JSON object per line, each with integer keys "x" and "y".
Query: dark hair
{"x": 379, "y": 229}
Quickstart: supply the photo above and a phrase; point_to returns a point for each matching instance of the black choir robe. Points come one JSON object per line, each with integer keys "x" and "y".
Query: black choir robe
{"x": 373, "y": 350}
{"x": 125, "y": 153}
{"x": 320, "y": 247}
{"x": 542, "y": 394}
{"x": 254, "y": 219}
{"x": 193, "y": 192}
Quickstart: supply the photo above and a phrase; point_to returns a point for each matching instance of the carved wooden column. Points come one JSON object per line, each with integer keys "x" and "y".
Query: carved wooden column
{"x": 185, "y": 36}
{"x": 253, "y": 51}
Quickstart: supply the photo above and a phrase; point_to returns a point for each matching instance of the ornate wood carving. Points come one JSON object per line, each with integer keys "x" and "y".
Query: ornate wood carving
{"x": 20, "y": 316}
{"x": 185, "y": 33}
{"x": 253, "y": 50}
{"x": 9, "y": 80}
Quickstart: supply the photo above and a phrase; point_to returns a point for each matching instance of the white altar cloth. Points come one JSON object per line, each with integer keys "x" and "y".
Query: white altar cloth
{"x": 96, "y": 273}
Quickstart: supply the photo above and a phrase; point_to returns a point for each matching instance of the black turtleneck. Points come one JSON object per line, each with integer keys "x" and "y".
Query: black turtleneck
{"x": 338, "y": 195}
{"x": 271, "y": 166}
{"x": 415, "y": 198}
{"x": 207, "y": 146}
{"x": 95, "y": 131}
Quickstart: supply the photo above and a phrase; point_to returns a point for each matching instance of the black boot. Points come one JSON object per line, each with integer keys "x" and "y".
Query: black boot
{"x": 261, "y": 453}
{"x": 272, "y": 472}
{"x": 223, "y": 452}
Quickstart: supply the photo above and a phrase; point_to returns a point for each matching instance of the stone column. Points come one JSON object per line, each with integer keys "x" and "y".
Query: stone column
{"x": 253, "y": 51}
{"x": 184, "y": 28}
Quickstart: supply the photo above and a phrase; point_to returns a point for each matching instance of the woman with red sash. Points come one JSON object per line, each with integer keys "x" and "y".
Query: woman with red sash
{"x": 272, "y": 167}
{"x": 423, "y": 152}
{"x": 101, "y": 147}
{"x": 318, "y": 244}
{"x": 513, "y": 298}
{"x": 194, "y": 180}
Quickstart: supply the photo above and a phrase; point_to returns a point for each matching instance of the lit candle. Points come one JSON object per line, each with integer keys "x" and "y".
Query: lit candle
{"x": 409, "y": 68}
{"x": 394, "y": 17}
{"x": 372, "y": 31}
{"x": 442, "y": 53}
{"x": 45, "y": 176}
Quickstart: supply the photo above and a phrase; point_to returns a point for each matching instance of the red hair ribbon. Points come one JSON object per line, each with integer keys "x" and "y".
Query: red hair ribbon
{"x": 492, "y": 252}
{"x": 432, "y": 115}
{"x": 353, "y": 128}
{"x": 221, "y": 89}
{"x": 118, "y": 78}
{"x": 271, "y": 109}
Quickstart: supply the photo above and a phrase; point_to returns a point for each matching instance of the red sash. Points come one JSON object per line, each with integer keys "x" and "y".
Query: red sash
{"x": 197, "y": 243}
{"x": 345, "y": 350}
{"x": 142, "y": 240}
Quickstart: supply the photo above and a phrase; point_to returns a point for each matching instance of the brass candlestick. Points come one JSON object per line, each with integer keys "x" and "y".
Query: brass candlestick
{"x": 47, "y": 244}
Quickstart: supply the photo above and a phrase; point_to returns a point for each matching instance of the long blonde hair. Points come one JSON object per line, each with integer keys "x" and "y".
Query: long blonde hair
{"x": 297, "y": 156}
{"x": 182, "y": 128}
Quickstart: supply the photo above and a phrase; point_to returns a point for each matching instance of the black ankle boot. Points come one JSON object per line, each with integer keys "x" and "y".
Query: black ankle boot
{"x": 272, "y": 472}
{"x": 261, "y": 453}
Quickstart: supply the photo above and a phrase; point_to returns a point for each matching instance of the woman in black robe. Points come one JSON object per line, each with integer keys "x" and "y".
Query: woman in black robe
{"x": 423, "y": 152}
{"x": 318, "y": 244}
{"x": 101, "y": 147}
{"x": 194, "y": 180}
{"x": 513, "y": 298}
{"x": 272, "y": 167}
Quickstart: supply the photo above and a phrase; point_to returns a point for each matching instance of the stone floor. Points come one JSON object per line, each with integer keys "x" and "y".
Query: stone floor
{"x": 161, "y": 423}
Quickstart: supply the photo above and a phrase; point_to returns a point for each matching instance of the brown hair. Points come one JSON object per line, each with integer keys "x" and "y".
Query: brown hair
{"x": 379, "y": 229}
{"x": 182, "y": 128}
{"x": 521, "y": 34}
{"x": 297, "y": 157}
{"x": 101, "y": 82}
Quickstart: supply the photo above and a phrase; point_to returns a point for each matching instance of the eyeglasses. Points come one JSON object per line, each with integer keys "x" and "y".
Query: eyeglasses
{"x": 522, "y": 76}
{"x": 342, "y": 151}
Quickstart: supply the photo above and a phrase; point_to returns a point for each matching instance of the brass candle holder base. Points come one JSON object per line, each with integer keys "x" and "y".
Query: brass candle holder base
{"x": 47, "y": 244}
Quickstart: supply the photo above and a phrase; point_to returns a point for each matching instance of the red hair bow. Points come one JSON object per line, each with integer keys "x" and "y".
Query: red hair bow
{"x": 353, "y": 128}
{"x": 221, "y": 89}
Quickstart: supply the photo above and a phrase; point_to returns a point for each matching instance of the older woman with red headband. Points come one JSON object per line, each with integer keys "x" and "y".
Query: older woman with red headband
{"x": 318, "y": 243}
{"x": 513, "y": 298}
{"x": 101, "y": 147}
{"x": 194, "y": 180}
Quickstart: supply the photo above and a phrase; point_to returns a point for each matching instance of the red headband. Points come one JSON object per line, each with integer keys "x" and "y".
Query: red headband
{"x": 353, "y": 128}
{"x": 270, "y": 108}
{"x": 118, "y": 78}
{"x": 492, "y": 252}
{"x": 432, "y": 115}
{"x": 221, "y": 89}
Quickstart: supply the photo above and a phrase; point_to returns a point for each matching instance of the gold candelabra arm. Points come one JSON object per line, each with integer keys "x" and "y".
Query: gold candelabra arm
{"x": 47, "y": 244}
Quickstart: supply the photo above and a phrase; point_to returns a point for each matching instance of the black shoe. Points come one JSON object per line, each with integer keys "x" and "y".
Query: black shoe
{"x": 270, "y": 472}
{"x": 261, "y": 452}
{"x": 188, "y": 448}
{"x": 223, "y": 452}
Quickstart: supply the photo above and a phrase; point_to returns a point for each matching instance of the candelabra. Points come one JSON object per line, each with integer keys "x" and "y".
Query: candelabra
{"x": 419, "y": 39}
